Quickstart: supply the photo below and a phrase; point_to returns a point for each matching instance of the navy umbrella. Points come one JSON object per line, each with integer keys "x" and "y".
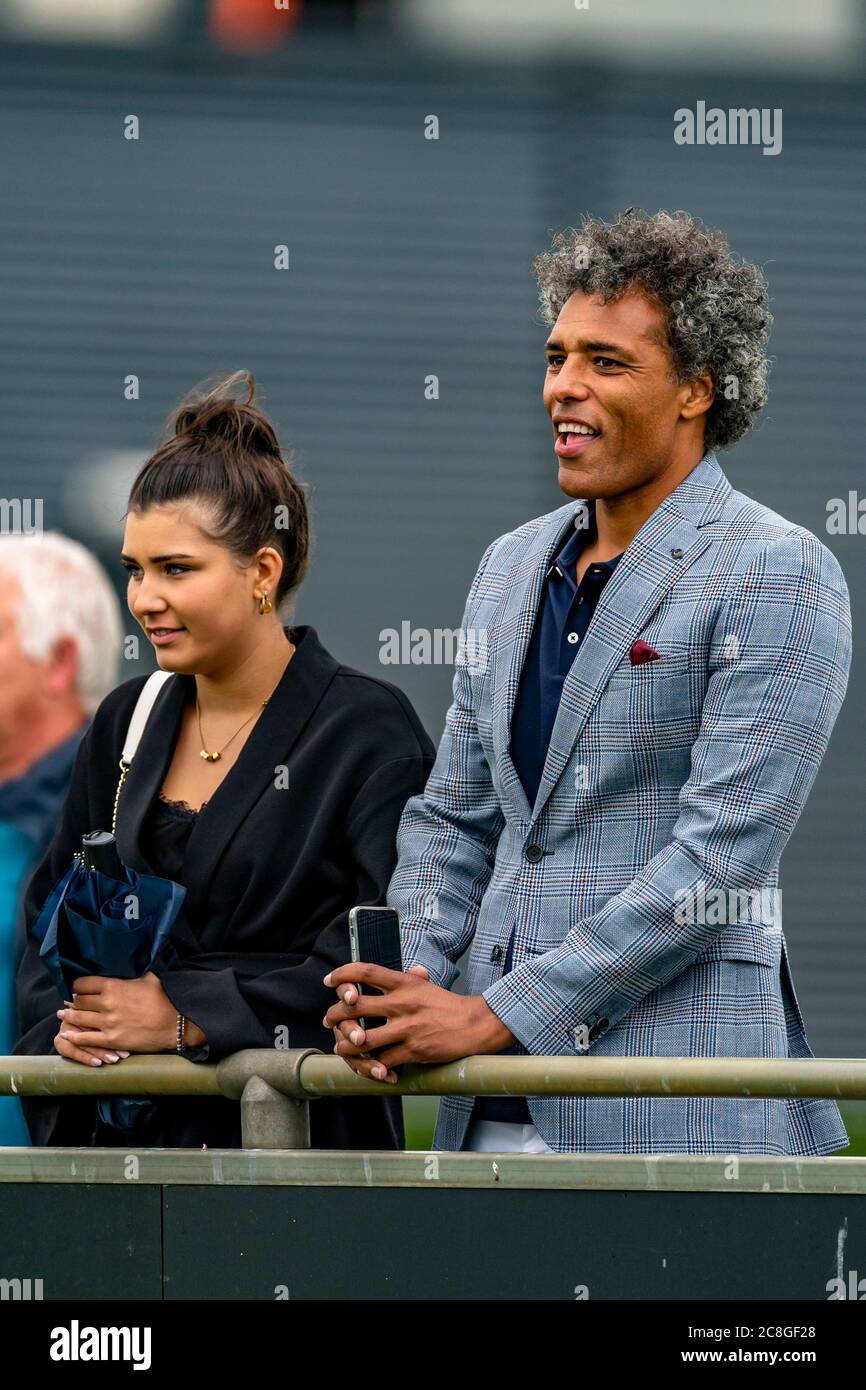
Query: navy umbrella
{"x": 103, "y": 918}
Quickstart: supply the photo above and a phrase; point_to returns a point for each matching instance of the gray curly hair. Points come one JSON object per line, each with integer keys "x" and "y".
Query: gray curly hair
{"x": 716, "y": 311}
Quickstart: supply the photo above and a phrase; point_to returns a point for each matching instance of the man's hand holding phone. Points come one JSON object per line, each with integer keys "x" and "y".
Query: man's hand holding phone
{"x": 351, "y": 1032}
{"x": 374, "y": 937}
{"x": 413, "y": 1019}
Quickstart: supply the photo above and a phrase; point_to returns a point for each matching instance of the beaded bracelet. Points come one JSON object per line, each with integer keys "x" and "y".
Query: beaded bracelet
{"x": 181, "y": 1026}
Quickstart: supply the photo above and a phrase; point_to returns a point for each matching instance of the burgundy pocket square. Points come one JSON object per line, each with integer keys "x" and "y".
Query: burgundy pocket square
{"x": 641, "y": 652}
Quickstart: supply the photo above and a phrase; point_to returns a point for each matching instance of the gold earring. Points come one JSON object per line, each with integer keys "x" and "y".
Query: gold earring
{"x": 265, "y": 605}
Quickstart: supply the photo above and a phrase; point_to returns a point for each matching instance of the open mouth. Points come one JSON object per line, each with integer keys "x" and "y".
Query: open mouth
{"x": 164, "y": 634}
{"x": 572, "y": 438}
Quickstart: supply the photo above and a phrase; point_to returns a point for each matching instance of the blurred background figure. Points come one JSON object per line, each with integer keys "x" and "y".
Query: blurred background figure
{"x": 60, "y": 635}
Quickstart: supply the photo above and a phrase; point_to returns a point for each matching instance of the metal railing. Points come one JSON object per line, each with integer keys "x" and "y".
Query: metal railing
{"x": 274, "y": 1086}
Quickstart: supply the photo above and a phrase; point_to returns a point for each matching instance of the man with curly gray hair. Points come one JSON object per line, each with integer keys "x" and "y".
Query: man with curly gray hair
{"x": 711, "y": 317}
{"x": 613, "y": 791}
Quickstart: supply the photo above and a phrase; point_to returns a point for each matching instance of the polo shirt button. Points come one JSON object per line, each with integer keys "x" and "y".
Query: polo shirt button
{"x": 572, "y": 638}
{"x": 533, "y": 853}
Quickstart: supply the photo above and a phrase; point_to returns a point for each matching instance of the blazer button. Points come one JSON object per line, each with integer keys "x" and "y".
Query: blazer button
{"x": 496, "y": 953}
{"x": 597, "y": 1029}
{"x": 533, "y": 853}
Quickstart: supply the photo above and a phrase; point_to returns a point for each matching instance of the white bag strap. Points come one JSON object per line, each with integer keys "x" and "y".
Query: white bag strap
{"x": 143, "y": 705}
{"x": 149, "y": 691}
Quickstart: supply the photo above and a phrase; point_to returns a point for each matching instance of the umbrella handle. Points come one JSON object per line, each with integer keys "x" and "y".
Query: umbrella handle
{"x": 99, "y": 852}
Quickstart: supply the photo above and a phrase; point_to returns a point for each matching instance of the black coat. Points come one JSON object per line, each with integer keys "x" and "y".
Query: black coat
{"x": 270, "y": 872}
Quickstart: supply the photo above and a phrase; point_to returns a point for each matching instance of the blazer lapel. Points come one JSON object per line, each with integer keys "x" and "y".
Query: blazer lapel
{"x": 301, "y": 687}
{"x": 274, "y": 734}
{"x": 638, "y": 585}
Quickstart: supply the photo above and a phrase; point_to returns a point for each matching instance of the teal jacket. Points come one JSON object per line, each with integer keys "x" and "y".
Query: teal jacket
{"x": 29, "y": 807}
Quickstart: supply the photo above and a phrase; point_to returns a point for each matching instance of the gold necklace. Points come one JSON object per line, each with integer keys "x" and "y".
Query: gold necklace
{"x": 213, "y": 757}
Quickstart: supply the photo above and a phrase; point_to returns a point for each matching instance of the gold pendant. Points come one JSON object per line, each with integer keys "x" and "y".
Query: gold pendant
{"x": 209, "y": 757}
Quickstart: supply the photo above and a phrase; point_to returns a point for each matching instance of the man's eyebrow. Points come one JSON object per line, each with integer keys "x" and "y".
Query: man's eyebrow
{"x": 158, "y": 559}
{"x": 591, "y": 345}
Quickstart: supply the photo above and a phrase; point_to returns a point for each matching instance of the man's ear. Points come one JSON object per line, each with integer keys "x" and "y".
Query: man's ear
{"x": 700, "y": 394}
{"x": 62, "y": 666}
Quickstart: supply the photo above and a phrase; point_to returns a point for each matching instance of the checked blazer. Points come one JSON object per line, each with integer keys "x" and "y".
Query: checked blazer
{"x": 669, "y": 786}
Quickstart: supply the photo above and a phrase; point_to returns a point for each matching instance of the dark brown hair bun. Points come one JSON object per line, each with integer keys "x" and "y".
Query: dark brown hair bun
{"x": 220, "y": 414}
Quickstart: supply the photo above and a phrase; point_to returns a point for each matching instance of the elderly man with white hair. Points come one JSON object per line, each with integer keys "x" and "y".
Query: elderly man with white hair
{"x": 60, "y": 634}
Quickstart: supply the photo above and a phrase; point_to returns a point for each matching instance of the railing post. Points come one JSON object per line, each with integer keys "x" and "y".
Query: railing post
{"x": 271, "y": 1120}
{"x": 275, "y": 1109}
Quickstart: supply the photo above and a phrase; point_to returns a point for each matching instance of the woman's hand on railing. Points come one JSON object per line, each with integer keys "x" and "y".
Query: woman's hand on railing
{"x": 67, "y": 1045}
{"x": 113, "y": 1014}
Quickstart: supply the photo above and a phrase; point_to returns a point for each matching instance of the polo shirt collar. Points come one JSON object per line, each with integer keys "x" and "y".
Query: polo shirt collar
{"x": 573, "y": 543}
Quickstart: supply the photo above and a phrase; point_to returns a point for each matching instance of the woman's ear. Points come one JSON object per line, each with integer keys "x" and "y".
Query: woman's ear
{"x": 269, "y": 567}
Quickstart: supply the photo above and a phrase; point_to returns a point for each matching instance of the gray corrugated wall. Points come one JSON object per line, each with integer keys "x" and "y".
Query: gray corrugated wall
{"x": 411, "y": 257}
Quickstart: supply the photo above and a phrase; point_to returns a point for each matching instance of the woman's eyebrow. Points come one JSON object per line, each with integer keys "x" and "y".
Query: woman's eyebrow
{"x": 159, "y": 559}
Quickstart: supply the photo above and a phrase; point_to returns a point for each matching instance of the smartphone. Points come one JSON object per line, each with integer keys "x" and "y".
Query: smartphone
{"x": 374, "y": 935}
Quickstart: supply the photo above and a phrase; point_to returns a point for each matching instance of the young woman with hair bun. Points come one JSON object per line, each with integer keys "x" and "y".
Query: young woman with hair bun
{"x": 269, "y": 781}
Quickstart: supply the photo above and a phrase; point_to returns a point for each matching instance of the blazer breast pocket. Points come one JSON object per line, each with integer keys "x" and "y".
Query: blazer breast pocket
{"x": 648, "y": 672}
{"x": 655, "y": 703}
{"x": 667, "y": 680}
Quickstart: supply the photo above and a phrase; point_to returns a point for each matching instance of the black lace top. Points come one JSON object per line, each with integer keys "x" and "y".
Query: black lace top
{"x": 168, "y": 825}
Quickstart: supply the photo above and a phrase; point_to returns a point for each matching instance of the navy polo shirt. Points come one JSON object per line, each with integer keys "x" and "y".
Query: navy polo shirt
{"x": 564, "y": 614}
